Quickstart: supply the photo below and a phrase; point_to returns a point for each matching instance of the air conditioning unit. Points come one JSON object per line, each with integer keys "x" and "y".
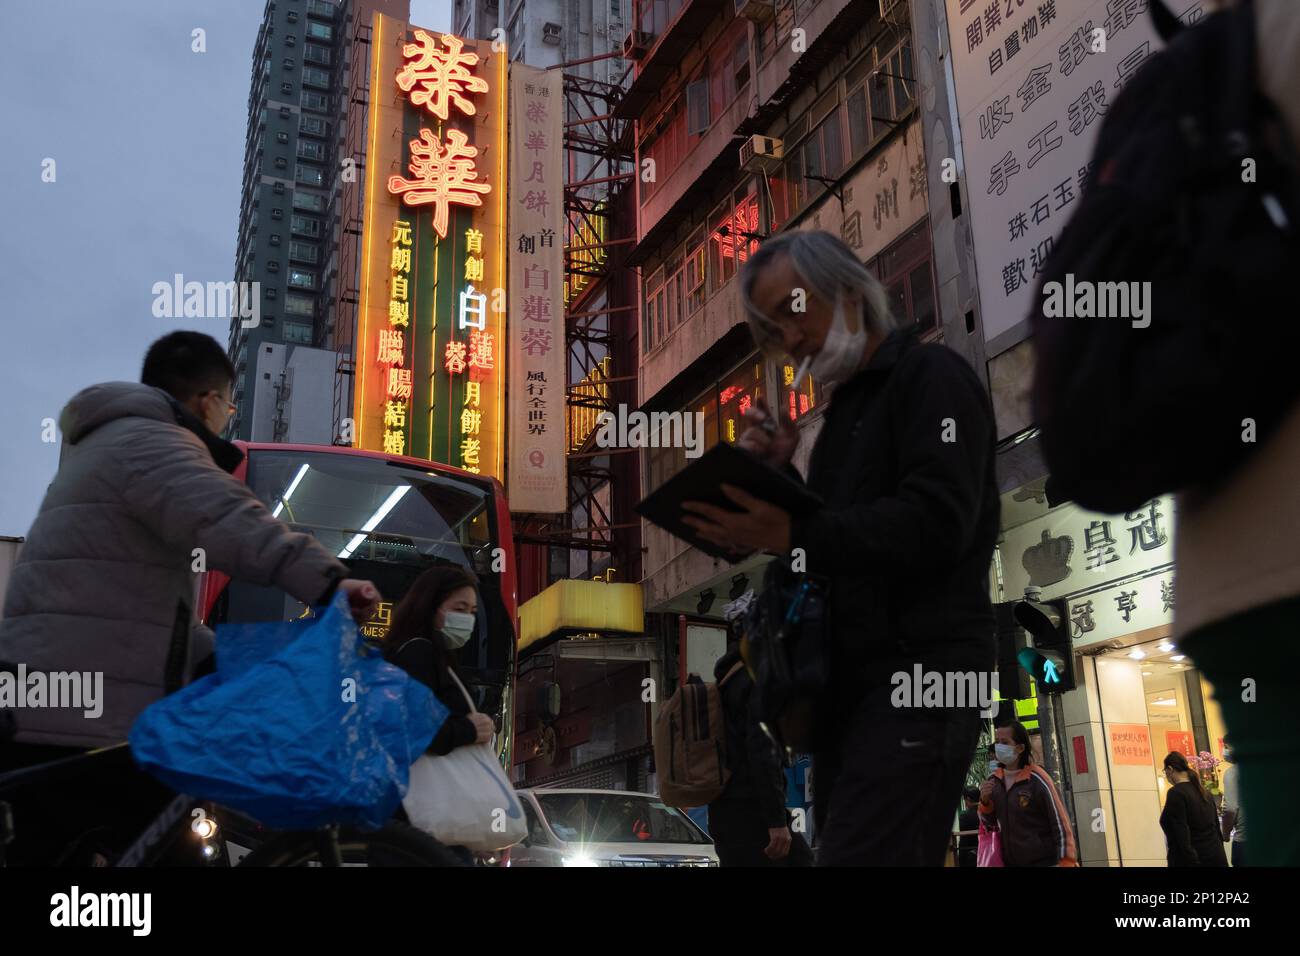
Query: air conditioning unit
{"x": 636, "y": 45}
{"x": 551, "y": 33}
{"x": 760, "y": 11}
{"x": 761, "y": 154}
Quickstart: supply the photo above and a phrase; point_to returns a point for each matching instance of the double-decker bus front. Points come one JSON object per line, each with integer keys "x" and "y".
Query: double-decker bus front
{"x": 389, "y": 518}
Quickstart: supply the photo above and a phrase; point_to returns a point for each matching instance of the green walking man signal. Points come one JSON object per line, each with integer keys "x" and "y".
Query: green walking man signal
{"x": 1050, "y": 659}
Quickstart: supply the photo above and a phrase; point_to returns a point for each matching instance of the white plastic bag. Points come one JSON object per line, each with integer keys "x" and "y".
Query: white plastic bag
{"x": 465, "y": 798}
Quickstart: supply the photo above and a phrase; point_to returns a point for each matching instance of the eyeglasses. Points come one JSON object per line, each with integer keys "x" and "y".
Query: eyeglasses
{"x": 231, "y": 407}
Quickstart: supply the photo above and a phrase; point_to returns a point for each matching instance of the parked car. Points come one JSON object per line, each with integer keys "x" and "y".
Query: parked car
{"x": 608, "y": 828}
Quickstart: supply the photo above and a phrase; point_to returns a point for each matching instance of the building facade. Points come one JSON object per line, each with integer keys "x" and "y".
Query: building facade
{"x": 288, "y": 231}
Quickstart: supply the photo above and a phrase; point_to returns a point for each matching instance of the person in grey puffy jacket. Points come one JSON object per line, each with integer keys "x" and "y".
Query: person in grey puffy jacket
{"x": 106, "y": 582}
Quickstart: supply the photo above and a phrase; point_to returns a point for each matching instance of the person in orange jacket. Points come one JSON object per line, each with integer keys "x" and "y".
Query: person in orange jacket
{"x": 1020, "y": 801}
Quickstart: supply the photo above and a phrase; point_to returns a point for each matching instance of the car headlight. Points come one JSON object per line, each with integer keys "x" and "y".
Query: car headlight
{"x": 580, "y": 859}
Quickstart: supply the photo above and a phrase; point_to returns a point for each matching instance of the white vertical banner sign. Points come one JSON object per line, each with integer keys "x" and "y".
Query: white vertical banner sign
{"x": 1034, "y": 79}
{"x": 537, "y": 475}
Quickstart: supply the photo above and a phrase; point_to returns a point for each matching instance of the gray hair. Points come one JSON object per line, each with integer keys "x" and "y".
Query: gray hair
{"x": 828, "y": 268}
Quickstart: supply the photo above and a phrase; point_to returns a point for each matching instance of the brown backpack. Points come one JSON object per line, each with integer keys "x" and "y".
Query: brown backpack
{"x": 690, "y": 740}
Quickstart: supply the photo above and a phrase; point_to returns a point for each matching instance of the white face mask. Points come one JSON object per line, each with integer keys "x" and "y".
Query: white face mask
{"x": 842, "y": 351}
{"x": 1007, "y": 755}
{"x": 457, "y": 628}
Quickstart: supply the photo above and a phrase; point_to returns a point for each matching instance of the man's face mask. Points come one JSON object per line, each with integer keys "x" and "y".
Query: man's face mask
{"x": 846, "y": 340}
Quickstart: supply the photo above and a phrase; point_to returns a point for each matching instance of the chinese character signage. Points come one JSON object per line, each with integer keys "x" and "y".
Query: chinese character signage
{"x": 1116, "y": 571}
{"x": 428, "y": 377}
{"x": 537, "y": 471}
{"x": 1034, "y": 78}
{"x": 1130, "y": 744}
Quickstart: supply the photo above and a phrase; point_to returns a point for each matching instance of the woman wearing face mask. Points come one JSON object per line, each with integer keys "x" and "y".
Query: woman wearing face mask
{"x": 1190, "y": 819}
{"x": 1021, "y": 802}
{"x": 431, "y": 623}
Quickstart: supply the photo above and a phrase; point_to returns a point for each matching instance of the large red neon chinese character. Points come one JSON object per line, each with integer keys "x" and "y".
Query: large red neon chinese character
{"x": 442, "y": 75}
{"x": 442, "y": 176}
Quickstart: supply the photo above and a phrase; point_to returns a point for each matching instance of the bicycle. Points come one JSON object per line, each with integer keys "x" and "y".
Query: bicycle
{"x": 203, "y": 823}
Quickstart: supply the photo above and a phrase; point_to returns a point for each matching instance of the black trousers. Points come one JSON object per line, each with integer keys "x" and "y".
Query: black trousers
{"x": 886, "y": 789}
{"x": 740, "y": 836}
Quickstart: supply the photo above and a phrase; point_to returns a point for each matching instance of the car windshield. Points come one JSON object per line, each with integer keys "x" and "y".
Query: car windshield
{"x": 616, "y": 818}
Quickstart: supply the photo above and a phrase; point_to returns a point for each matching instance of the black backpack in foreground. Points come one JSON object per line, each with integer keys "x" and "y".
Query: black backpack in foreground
{"x": 1128, "y": 413}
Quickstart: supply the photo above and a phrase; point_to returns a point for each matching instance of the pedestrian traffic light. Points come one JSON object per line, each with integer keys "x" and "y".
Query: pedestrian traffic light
{"x": 1050, "y": 661}
{"x": 1013, "y": 683}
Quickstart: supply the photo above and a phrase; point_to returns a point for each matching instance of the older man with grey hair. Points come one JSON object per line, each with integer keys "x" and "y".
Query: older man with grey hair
{"x": 904, "y": 463}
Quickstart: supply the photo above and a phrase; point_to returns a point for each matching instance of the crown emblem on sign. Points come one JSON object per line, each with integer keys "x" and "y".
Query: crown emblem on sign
{"x": 1048, "y": 561}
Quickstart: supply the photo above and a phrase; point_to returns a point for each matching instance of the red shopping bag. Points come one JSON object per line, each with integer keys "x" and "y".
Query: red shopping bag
{"x": 989, "y": 848}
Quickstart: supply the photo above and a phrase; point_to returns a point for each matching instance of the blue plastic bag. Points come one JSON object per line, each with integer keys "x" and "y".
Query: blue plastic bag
{"x": 301, "y": 726}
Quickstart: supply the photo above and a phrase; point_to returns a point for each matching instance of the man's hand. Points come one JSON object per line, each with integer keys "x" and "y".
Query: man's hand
{"x": 363, "y": 597}
{"x": 483, "y": 726}
{"x": 778, "y": 843}
{"x": 986, "y": 791}
{"x": 761, "y": 526}
{"x": 776, "y": 446}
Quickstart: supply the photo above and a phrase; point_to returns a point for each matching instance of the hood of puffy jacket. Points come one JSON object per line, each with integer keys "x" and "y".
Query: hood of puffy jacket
{"x": 100, "y": 404}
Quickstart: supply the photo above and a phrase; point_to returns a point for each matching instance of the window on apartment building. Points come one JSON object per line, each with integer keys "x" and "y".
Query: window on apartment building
{"x": 277, "y": 188}
{"x": 304, "y": 252}
{"x": 652, "y": 325}
{"x": 288, "y": 63}
{"x": 282, "y": 137}
{"x": 313, "y": 125}
{"x": 697, "y": 106}
{"x": 305, "y": 226}
{"x": 314, "y": 101}
{"x": 320, "y": 31}
{"x": 302, "y": 279}
{"x": 721, "y": 406}
{"x": 298, "y": 304}
{"x": 290, "y": 40}
{"x": 906, "y": 271}
{"x": 274, "y": 239}
{"x": 740, "y": 64}
{"x": 277, "y": 213}
{"x": 308, "y": 202}
{"x": 286, "y": 87}
{"x": 291, "y": 16}
{"x": 312, "y": 53}
{"x": 309, "y": 149}
{"x": 297, "y": 333}
{"x": 728, "y": 245}
{"x": 673, "y": 293}
{"x": 314, "y": 77}
{"x": 796, "y": 404}
{"x": 693, "y": 274}
{"x": 309, "y": 175}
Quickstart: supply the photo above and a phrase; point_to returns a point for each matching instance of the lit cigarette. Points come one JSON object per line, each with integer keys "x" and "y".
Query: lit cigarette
{"x": 799, "y": 375}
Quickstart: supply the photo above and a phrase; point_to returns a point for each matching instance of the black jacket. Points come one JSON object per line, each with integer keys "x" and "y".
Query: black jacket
{"x": 757, "y": 780}
{"x": 1191, "y": 828}
{"x": 420, "y": 658}
{"x": 905, "y": 463}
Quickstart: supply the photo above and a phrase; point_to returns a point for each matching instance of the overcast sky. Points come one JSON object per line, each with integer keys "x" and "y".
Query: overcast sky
{"x": 147, "y": 138}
